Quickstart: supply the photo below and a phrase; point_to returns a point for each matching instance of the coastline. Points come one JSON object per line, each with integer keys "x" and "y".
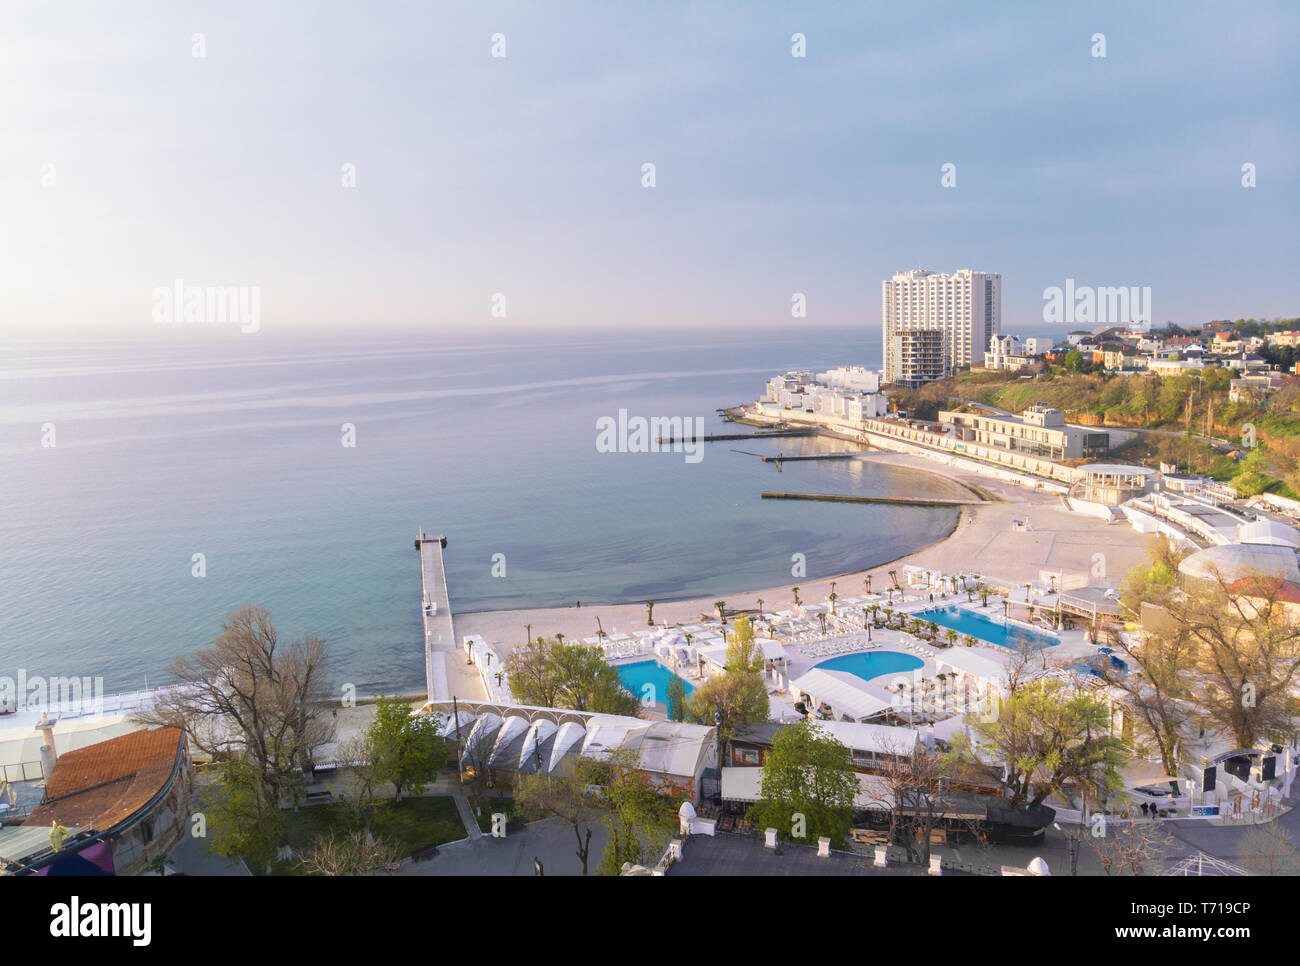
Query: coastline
{"x": 982, "y": 540}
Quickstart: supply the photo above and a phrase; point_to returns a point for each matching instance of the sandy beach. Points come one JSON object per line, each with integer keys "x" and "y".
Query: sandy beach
{"x": 983, "y": 541}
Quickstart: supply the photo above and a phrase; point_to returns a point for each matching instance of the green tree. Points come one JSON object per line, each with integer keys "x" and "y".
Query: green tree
{"x": 738, "y": 696}
{"x": 677, "y": 700}
{"x": 585, "y": 682}
{"x": 243, "y": 820}
{"x": 405, "y": 748}
{"x": 1047, "y": 733}
{"x": 551, "y": 674}
{"x": 641, "y": 818}
{"x": 810, "y": 774}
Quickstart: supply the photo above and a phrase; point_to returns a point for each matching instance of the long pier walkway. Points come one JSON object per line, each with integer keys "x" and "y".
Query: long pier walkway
{"x": 439, "y": 633}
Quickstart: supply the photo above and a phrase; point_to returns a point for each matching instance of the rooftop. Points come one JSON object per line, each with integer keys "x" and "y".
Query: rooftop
{"x": 728, "y": 854}
{"x": 104, "y": 784}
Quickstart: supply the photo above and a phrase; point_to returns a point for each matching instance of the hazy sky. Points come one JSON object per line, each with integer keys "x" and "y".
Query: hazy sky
{"x": 522, "y": 175}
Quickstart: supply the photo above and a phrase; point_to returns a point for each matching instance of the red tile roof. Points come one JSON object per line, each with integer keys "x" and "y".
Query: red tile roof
{"x": 104, "y": 784}
{"x": 1279, "y": 590}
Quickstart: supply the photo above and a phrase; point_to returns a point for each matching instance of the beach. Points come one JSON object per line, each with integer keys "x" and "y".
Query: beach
{"x": 985, "y": 540}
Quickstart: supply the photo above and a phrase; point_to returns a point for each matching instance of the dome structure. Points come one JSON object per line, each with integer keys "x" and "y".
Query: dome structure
{"x": 1237, "y": 561}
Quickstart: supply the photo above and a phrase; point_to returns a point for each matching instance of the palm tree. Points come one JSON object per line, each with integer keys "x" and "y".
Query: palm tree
{"x": 559, "y": 637}
{"x": 952, "y": 638}
{"x": 795, "y": 592}
{"x": 970, "y": 595}
{"x": 600, "y": 631}
{"x": 650, "y": 612}
{"x": 984, "y": 596}
{"x": 867, "y": 581}
{"x": 721, "y": 607}
{"x": 970, "y": 640}
{"x": 832, "y": 597}
{"x": 875, "y": 609}
{"x": 934, "y": 630}
{"x": 760, "y": 608}
{"x": 822, "y": 619}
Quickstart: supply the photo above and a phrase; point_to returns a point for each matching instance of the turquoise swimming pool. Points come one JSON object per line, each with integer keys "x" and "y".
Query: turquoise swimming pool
{"x": 639, "y": 676}
{"x": 872, "y": 664}
{"x": 987, "y": 629}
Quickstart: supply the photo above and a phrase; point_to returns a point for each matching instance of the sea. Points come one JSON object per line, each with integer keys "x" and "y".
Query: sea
{"x": 152, "y": 483}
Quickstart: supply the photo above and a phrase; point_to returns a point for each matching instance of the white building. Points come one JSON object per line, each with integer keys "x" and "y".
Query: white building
{"x": 1011, "y": 352}
{"x": 966, "y": 307}
{"x": 857, "y": 378}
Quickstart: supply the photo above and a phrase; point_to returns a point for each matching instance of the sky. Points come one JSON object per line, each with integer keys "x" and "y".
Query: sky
{"x": 129, "y": 163}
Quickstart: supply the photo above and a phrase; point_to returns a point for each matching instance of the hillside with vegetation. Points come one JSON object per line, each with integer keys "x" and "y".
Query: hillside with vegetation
{"x": 1180, "y": 408}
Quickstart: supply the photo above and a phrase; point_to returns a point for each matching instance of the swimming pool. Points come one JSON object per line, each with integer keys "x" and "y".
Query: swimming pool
{"x": 963, "y": 621}
{"x": 873, "y": 664}
{"x": 640, "y": 675}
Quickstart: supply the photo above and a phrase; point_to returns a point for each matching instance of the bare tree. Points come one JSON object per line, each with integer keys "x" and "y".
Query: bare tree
{"x": 1131, "y": 847}
{"x": 1267, "y": 849}
{"x": 247, "y": 692}
{"x": 916, "y": 782}
{"x": 348, "y": 853}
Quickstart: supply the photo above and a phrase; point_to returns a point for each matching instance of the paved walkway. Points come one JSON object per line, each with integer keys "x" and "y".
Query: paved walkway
{"x": 466, "y": 812}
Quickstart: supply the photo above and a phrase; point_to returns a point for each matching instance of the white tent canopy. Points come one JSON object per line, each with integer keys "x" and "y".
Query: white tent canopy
{"x": 841, "y": 690}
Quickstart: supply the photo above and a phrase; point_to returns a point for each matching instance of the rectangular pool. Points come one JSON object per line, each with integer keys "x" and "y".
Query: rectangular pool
{"x": 987, "y": 629}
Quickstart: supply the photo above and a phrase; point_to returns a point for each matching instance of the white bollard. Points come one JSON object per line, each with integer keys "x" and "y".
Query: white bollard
{"x": 824, "y": 847}
{"x": 936, "y": 865}
{"x": 769, "y": 838}
{"x": 882, "y": 857}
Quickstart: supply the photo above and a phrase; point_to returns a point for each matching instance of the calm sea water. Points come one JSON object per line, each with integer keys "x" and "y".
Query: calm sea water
{"x": 229, "y": 445}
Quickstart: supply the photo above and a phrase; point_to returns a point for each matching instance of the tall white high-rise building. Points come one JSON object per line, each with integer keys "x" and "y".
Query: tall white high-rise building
{"x": 966, "y": 307}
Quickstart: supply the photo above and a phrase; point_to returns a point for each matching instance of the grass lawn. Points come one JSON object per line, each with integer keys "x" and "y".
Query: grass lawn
{"x": 484, "y": 809}
{"x": 408, "y": 824}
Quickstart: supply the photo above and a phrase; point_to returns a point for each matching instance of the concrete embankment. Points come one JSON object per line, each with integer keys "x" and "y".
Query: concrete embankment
{"x": 842, "y": 498}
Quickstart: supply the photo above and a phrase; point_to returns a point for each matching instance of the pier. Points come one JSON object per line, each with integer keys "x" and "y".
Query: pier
{"x": 720, "y": 437}
{"x": 439, "y": 633}
{"x": 891, "y": 500}
{"x": 820, "y": 456}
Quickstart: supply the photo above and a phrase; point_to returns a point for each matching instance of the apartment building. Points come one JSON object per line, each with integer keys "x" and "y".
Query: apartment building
{"x": 916, "y": 356}
{"x": 965, "y": 308}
